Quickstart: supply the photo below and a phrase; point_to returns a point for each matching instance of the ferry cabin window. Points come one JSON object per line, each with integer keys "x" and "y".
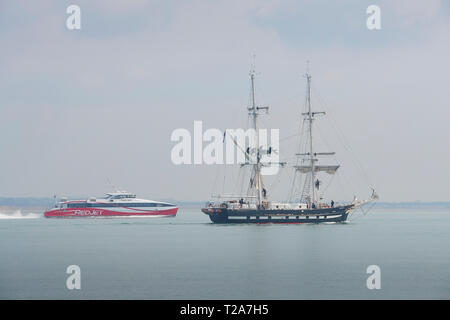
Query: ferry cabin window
{"x": 123, "y": 196}
{"x": 77, "y": 205}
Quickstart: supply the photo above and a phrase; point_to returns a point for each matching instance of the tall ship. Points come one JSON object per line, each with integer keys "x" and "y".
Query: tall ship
{"x": 306, "y": 204}
{"x": 114, "y": 204}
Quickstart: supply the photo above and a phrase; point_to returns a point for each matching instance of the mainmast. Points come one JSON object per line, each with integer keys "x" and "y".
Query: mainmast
{"x": 256, "y": 179}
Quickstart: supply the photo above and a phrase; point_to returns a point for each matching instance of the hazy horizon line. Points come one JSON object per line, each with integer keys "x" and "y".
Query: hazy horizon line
{"x": 5, "y": 200}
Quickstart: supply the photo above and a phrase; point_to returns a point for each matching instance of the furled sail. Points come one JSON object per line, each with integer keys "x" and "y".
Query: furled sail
{"x": 327, "y": 169}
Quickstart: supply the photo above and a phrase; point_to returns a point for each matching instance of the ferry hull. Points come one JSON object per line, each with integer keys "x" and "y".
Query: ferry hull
{"x": 99, "y": 212}
{"x": 226, "y": 216}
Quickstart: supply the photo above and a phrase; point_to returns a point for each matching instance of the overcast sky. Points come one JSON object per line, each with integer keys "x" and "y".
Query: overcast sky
{"x": 80, "y": 107}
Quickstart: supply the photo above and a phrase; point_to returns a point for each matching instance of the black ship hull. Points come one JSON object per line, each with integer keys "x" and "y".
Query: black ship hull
{"x": 319, "y": 215}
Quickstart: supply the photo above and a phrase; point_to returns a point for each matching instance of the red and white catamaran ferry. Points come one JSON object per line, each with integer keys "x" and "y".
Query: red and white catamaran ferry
{"x": 114, "y": 204}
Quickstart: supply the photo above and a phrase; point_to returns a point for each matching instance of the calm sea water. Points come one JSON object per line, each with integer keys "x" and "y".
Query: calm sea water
{"x": 187, "y": 257}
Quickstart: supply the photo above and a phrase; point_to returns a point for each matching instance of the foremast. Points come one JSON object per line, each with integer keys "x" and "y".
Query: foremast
{"x": 312, "y": 184}
{"x": 310, "y": 121}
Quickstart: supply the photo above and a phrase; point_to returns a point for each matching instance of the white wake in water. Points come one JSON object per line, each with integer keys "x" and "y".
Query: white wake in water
{"x": 19, "y": 215}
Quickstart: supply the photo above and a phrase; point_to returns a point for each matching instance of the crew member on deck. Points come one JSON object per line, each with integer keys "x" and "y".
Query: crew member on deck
{"x": 332, "y": 203}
